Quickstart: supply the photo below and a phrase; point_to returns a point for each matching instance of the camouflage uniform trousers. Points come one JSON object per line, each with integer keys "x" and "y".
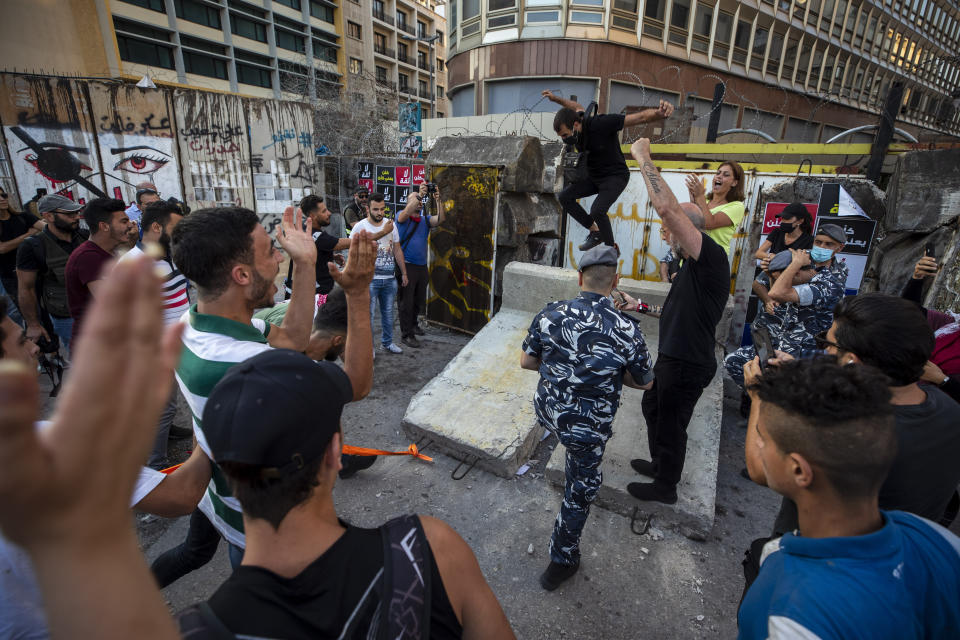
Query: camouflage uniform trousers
{"x": 583, "y": 480}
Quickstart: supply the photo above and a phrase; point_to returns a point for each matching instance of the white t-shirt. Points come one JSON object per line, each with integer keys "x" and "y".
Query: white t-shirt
{"x": 385, "y": 260}
{"x": 175, "y": 299}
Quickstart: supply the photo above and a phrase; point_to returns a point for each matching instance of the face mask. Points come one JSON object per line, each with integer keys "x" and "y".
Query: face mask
{"x": 819, "y": 254}
{"x": 787, "y": 227}
{"x": 572, "y": 139}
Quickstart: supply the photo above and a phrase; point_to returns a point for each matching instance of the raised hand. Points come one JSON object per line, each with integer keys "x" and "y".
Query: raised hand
{"x": 665, "y": 109}
{"x": 695, "y": 188}
{"x": 546, "y": 93}
{"x": 296, "y": 240}
{"x": 801, "y": 257}
{"x": 925, "y": 268}
{"x": 361, "y": 259}
{"x": 640, "y": 149}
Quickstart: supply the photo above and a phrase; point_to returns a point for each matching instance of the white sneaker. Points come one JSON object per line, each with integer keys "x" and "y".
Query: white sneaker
{"x": 392, "y": 348}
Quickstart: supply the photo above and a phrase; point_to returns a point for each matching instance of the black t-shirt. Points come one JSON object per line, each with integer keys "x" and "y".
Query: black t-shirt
{"x": 13, "y": 227}
{"x": 32, "y": 254}
{"x": 925, "y": 472}
{"x": 694, "y": 305}
{"x": 325, "y": 245}
{"x": 318, "y": 602}
{"x": 603, "y": 143}
{"x": 778, "y": 241}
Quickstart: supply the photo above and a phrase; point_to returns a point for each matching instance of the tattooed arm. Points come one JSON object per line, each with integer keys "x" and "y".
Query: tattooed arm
{"x": 668, "y": 208}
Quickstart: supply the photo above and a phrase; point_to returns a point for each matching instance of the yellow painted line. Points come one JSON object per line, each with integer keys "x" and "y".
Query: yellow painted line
{"x": 706, "y": 165}
{"x": 785, "y": 148}
{"x": 922, "y": 146}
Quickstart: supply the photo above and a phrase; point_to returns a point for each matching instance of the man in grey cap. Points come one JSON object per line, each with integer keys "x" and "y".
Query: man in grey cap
{"x": 41, "y": 265}
{"x": 811, "y": 305}
{"x": 782, "y": 321}
{"x": 585, "y": 351}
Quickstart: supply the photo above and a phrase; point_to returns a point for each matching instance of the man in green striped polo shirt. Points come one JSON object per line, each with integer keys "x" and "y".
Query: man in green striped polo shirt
{"x": 232, "y": 261}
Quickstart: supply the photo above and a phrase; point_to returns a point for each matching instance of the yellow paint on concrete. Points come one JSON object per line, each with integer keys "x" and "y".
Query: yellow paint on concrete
{"x": 779, "y": 148}
{"x": 711, "y": 165}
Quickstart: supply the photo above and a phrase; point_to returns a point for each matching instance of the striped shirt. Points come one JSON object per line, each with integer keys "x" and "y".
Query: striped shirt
{"x": 175, "y": 300}
{"x": 211, "y": 345}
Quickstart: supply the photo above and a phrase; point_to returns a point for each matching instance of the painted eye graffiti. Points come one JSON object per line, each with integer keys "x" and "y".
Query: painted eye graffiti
{"x": 55, "y": 165}
{"x": 140, "y": 162}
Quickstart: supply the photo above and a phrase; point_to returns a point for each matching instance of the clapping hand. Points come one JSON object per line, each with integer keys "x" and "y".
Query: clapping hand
{"x": 361, "y": 259}
{"x": 695, "y": 188}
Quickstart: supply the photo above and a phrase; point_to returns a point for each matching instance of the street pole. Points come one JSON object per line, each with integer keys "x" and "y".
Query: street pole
{"x": 433, "y": 87}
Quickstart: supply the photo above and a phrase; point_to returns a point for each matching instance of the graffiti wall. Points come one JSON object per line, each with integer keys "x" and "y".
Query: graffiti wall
{"x": 50, "y": 139}
{"x": 214, "y": 149}
{"x": 136, "y": 136}
{"x": 283, "y": 158}
{"x": 462, "y": 249}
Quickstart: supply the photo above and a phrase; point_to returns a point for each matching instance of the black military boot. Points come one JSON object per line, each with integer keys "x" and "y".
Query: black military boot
{"x": 593, "y": 239}
{"x": 556, "y": 574}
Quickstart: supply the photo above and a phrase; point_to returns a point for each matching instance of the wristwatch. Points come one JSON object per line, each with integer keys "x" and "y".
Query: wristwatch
{"x": 945, "y": 380}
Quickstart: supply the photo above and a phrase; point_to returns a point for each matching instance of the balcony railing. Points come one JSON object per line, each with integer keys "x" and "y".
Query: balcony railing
{"x": 425, "y": 93}
{"x": 407, "y": 89}
{"x": 424, "y": 65}
{"x": 384, "y": 51}
{"x": 380, "y": 15}
{"x": 386, "y": 84}
{"x": 406, "y": 27}
{"x": 402, "y": 57}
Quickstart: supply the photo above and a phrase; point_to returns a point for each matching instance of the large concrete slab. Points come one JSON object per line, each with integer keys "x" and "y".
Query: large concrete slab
{"x": 693, "y": 513}
{"x": 480, "y": 407}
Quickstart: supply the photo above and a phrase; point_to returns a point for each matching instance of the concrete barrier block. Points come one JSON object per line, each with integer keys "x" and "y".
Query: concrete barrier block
{"x": 481, "y": 404}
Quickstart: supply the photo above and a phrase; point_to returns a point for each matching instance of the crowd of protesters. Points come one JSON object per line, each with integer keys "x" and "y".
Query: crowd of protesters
{"x": 854, "y": 421}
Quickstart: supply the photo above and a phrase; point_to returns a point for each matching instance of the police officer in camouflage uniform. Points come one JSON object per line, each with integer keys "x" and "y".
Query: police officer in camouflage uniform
{"x": 808, "y": 308}
{"x": 585, "y": 350}
{"x": 777, "y": 319}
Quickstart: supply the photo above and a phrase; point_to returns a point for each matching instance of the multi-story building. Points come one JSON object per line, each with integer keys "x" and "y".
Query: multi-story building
{"x": 798, "y": 70}
{"x": 265, "y": 48}
{"x": 400, "y": 45}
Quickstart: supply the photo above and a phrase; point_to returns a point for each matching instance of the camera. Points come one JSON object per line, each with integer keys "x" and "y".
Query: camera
{"x": 431, "y": 187}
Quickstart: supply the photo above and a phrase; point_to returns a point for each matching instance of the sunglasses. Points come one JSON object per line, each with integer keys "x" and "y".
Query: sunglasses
{"x": 72, "y": 214}
{"x": 823, "y": 343}
{"x": 3, "y": 194}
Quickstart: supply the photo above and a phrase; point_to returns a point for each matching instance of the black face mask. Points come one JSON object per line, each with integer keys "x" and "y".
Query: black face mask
{"x": 571, "y": 139}
{"x": 787, "y": 227}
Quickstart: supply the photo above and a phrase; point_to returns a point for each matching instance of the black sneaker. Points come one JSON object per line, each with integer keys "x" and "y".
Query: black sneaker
{"x": 556, "y": 574}
{"x": 179, "y": 433}
{"x": 644, "y": 467}
{"x": 651, "y": 492}
{"x": 352, "y": 464}
{"x": 411, "y": 341}
{"x": 593, "y": 239}
{"x": 419, "y": 332}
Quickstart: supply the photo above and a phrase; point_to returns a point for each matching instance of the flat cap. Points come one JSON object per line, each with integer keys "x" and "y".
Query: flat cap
{"x": 832, "y": 231}
{"x": 600, "y": 254}
{"x": 53, "y": 202}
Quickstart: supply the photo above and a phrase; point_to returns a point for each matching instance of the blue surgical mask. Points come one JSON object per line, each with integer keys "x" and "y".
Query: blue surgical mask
{"x": 819, "y": 254}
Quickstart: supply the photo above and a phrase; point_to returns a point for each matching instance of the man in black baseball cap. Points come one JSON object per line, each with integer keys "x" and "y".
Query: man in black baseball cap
{"x": 273, "y": 426}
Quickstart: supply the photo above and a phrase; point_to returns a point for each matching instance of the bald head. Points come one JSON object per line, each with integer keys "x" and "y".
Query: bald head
{"x": 693, "y": 214}
{"x": 146, "y": 185}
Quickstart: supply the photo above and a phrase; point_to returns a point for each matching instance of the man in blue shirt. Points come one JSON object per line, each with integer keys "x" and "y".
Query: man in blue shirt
{"x": 414, "y": 224}
{"x": 826, "y": 439}
{"x": 585, "y": 351}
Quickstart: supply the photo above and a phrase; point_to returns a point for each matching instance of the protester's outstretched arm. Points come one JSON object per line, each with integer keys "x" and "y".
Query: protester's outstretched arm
{"x": 782, "y": 290}
{"x": 298, "y": 243}
{"x": 65, "y": 491}
{"x": 665, "y": 202}
{"x": 181, "y": 491}
{"x": 413, "y": 203}
{"x": 355, "y": 281}
{"x": 473, "y": 602}
{"x": 661, "y": 112}
{"x": 563, "y": 102}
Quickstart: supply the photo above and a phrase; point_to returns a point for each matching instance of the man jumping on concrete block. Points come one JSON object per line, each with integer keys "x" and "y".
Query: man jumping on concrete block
{"x": 585, "y": 351}
{"x": 597, "y": 139}
{"x": 685, "y": 359}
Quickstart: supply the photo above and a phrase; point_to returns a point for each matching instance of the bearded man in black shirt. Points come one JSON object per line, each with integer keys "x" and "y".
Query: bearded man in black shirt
{"x": 599, "y": 137}
{"x": 686, "y": 358}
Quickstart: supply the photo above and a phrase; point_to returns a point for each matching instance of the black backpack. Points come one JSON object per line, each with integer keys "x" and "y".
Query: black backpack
{"x": 575, "y": 162}
{"x": 404, "y": 586}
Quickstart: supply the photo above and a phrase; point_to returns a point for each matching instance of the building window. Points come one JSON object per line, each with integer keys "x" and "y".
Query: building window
{"x": 293, "y": 4}
{"x": 356, "y": 66}
{"x": 592, "y": 3}
{"x": 381, "y": 74}
{"x": 354, "y": 30}
{"x": 470, "y": 29}
{"x": 324, "y": 52}
{"x": 321, "y": 12}
{"x": 439, "y": 114}
{"x": 253, "y": 75}
{"x": 421, "y": 29}
{"x": 439, "y": 92}
{"x": 439, "y": 37}
{"x": 290, "y": 41}
{"x": 204, "y": 65}
{"x": 471, "y": 9}
{"x": 439, "y": 64}
{"x": 621, "y": 22}
{"x": 422, "y": 59}
{"x": 141, "y": 52}
{"x": 404, "y": 82}
{"x": 630, "y": 6}
{"x": 502, "y": 21}
{"x": 402, "y": 50}
{"x": 248, "y": 28}
{"x": 153, "y": 5}
{"x": 196, "y": 12}
{"x": 587, "y": 16}
{"x": 497, "y": 5}
{"x": 139, "y": 29}
{"x": 203, "y": 45}
{"x": 542, "y": 16}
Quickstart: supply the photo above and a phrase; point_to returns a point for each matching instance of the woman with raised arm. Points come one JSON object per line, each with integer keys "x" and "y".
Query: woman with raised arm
{"x": 722, "y": 208}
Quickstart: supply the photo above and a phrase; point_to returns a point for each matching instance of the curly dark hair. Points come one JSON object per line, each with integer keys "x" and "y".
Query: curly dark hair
{"x": 565, "y": 116}
{"x": 209, "y": 242}
{"x": 839, "y": 418}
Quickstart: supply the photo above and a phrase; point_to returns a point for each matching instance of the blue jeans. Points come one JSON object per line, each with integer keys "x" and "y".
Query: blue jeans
{"x": 384, "y": 290}
{"x": 63, "y": 327}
